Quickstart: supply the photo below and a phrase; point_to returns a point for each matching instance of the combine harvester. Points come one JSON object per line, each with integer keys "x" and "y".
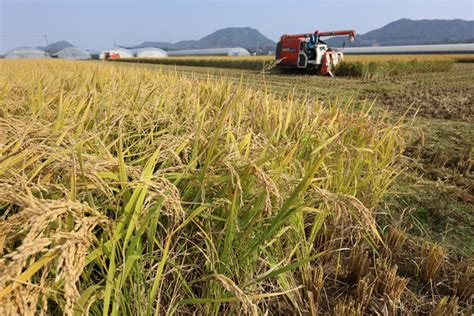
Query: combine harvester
{"x": 308, "y": 51}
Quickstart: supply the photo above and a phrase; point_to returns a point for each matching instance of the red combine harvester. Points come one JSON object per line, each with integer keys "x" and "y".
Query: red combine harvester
{"x": 308, "y": 51}
{"x": 111, "y": 56}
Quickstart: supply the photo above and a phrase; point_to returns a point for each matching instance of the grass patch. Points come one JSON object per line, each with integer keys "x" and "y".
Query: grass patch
{"x": 449, "y": 221}
{"x": 434, "y": 197}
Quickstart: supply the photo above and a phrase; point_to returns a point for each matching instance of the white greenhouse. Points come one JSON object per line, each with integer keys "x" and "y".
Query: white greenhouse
{"x": 26, "y": 52}
{"x": 75, "y": 53}
{"x": 150, "y": 52}
{"x": 234, "y": 51}
{"x": 116, "y": 52}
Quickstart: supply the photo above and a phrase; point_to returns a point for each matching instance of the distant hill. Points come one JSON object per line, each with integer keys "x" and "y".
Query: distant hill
{"x": 55, "y": 47}
{"x": 245, "y": 37}
{"x": 414, "y": 32}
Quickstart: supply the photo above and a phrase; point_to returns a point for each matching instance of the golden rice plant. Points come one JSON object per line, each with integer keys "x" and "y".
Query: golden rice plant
{"x": 237, "y": 62}
{"x": 136, "y": 191}
{"x": 372, "y": 69}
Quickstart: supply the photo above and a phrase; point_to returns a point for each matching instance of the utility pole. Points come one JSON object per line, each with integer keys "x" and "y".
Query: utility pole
{"x": 46, "y": 39}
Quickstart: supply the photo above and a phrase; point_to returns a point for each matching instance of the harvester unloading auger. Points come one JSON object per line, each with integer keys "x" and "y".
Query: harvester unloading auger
{"x": 308, "y": 51}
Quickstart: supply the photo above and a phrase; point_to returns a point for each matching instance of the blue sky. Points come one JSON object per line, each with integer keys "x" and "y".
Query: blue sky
{"x": 95, "y": 24}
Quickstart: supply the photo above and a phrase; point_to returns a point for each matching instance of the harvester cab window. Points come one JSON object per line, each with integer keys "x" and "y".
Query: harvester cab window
{"x": 311, "y": 42}
{"x": 303, "y": 46}
{"x": 311, "y": 47}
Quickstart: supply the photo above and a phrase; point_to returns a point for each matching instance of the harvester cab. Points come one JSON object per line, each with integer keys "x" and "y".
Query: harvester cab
{"x": 308, "y": 51}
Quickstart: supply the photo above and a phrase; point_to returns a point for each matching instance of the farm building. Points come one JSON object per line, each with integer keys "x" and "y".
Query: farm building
{"x": 73, "y": 53}
{"x": 150, "y": 52}
{"x": 235, "y": 51}
{"x": 116, "y": 52}
{"x": 26, "y": 52}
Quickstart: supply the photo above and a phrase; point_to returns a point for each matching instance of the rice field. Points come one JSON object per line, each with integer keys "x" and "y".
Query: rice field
{"x": 136, "y": 191}
{"x": 258, "y": 63}
{"x": 390, "y": 68}
{"x": 366, "y": 67}
{"x": 400, "y": 57}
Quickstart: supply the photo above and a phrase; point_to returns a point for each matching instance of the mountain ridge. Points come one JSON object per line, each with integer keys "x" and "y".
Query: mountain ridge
{"x": 414, "y": 32}
{"x": 399, "y": 32}
{"x": 55, "y": 47}
{"x": 245, "y": 37}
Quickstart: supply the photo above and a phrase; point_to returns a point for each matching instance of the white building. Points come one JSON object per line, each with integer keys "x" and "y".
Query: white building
{"x": 150, "y": 52}
{"x": 74, "y": 53}
{"x": 233, "y": 51}
{"x": 26, "y": 52}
